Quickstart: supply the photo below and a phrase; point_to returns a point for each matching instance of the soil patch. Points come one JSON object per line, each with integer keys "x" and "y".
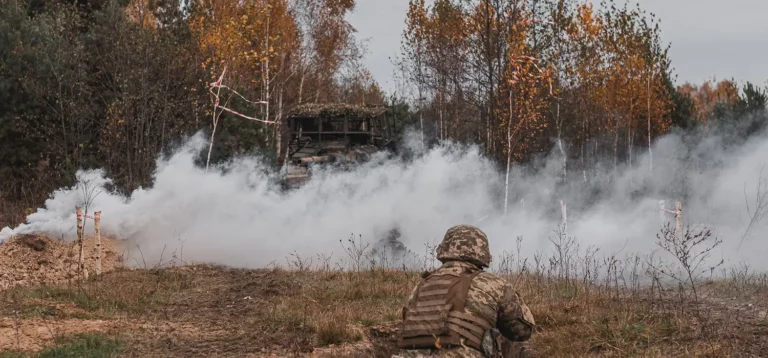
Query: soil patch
{"x": 33, "y": 259}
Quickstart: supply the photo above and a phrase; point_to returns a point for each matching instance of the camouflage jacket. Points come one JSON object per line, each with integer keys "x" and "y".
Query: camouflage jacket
{"x": 492, "y": 298}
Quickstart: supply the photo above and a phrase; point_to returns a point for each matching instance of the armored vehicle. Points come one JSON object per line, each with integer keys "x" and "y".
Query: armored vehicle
{"x": 340, "y": 135}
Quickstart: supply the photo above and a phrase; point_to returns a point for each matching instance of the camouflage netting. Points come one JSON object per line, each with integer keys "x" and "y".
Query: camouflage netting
{"x": 315, "y": 110}
{"x": 30, "y": 259}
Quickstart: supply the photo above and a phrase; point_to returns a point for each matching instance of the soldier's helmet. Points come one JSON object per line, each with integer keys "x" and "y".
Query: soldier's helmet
{"x": 465, "y": 243}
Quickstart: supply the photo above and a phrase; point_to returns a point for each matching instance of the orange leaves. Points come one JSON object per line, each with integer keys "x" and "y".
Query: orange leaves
{"x": 445, "y": 27}
{"x": 709, "y": 95}
{"x": 439, "y": 31}
{"x": 525, "y": 92}
{"x": 140, "y": 13}
{"x": 523, "y": 69}
{"x": 243, "y": 34}
{"x": 416, "y": 21}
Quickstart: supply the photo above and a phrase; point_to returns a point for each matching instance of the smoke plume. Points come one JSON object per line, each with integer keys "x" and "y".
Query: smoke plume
{"x": 237, "y": 215}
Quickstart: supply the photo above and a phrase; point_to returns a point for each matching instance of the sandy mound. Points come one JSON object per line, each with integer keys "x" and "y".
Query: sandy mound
{"x": 36, "y": 258}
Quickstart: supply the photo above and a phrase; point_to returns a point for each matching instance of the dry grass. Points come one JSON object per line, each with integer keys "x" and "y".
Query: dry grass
{"x": 584, "y": 304}
{"x": 215, "y": 310}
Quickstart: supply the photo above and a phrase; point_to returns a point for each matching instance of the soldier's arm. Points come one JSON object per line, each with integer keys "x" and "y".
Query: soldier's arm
{"x": 515, "y": 321}
{"x": 410, "y": 298}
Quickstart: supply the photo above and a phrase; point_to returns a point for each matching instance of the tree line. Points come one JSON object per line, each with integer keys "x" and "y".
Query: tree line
{"x": 527, "y": 77}
{"x": 113, "y": 84}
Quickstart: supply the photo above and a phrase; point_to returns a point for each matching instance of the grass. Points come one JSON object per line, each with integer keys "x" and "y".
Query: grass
{"x": 85, "y": 346}
{"x": 78, "y": 346}
{"x": 583, "y": 305}
{"x": 139, "y": 291}
{"x": 299, "y": 311}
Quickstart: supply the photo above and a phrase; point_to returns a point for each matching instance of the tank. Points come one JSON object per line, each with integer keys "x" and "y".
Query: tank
{"x": 338, "y": 135}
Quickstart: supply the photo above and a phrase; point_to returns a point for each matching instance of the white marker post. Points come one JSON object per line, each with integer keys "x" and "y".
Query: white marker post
{"x": 80, "y": 224}
{"x": 679, "y": 217}
{"x": 564, "y": 211}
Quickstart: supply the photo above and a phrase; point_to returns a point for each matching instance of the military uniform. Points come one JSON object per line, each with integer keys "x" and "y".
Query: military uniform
{"x": 455, "y": 310}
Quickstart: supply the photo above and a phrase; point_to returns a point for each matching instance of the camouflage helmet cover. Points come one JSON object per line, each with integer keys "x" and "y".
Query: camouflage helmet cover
{"x": 465, "y": 243}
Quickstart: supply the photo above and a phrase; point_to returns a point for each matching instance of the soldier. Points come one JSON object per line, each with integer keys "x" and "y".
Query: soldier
{"x": 459, "y": 310}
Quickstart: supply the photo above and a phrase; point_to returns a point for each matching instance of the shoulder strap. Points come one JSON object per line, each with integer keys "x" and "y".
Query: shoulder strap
{"x": 464, "y": 284}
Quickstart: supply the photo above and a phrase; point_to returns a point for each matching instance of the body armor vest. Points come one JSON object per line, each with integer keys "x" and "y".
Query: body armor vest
{"x": 436, "y": 318}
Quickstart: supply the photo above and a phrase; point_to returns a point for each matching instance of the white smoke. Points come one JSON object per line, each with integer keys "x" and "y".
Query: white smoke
{"x": 236, "y": 214}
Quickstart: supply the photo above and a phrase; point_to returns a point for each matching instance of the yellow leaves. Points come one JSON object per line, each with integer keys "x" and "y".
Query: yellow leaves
{"x": 416, "y": 21}
{"x": 243, "y": 34}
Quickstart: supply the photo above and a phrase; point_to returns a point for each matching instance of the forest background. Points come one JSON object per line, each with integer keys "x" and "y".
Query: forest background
{"x": 113, "y": 84}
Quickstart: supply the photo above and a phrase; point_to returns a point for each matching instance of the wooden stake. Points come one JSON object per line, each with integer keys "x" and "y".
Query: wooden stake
{"x": 97, "y": 232}
{"x": 80, "y": 218}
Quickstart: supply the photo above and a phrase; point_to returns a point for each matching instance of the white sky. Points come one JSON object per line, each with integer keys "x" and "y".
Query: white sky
{"x": 709, "y": 38}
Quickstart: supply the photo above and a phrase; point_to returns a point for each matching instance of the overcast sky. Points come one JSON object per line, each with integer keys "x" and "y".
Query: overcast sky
{"x": 709, "y": 38}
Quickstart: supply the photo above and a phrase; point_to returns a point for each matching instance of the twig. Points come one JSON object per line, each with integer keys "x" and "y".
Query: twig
{"x": 761, "y": 205}
{"x": 142, "y": 256}
{"x": 160, "y": 261}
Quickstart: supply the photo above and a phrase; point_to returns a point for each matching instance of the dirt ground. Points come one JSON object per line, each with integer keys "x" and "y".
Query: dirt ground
{"x": 214, "y": 311}
{"x": 189, "y": 311}
{"x": 33, "y": 259}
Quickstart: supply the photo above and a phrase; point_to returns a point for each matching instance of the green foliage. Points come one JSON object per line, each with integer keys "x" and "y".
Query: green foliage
{"x": 754, "y": 99}
{"x": 113, "y": 84}
{"x": 401, "y": 114}
{"x": 12, "y": 355}
{"x": 81, "y": 86}
{"x": 748, "y": 110}
{"x": 85, "y": 346}
{"x": 683, "y": 108}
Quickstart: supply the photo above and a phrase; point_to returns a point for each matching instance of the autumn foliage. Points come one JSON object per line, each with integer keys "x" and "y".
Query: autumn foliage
{"x": 114, "y": 84}
{"x": 532, "y": 70}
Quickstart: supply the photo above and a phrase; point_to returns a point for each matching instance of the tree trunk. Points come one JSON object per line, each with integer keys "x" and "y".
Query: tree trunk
{"x": 213, "y": 134}
{"x": 266, "y": 75}
{"x": 440, "y": 114}
{"x": 616, "y": 146}
{"x": 301, "y": 85}
{"x": 509, "y": 155}
{"x": 279, "y": 130}
{"x": 650, "y": 152}
{"x": 215, "y": 119}
{"x": 560, "y": 144}
{"x": 509, "y": 163}
{"x": 421, "y": 121}
{"x": 583, "y": 165}
{"x": 491, "y": 88}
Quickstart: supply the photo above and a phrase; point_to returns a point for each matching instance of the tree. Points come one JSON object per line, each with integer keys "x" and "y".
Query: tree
{"x": 525, "y": 89}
